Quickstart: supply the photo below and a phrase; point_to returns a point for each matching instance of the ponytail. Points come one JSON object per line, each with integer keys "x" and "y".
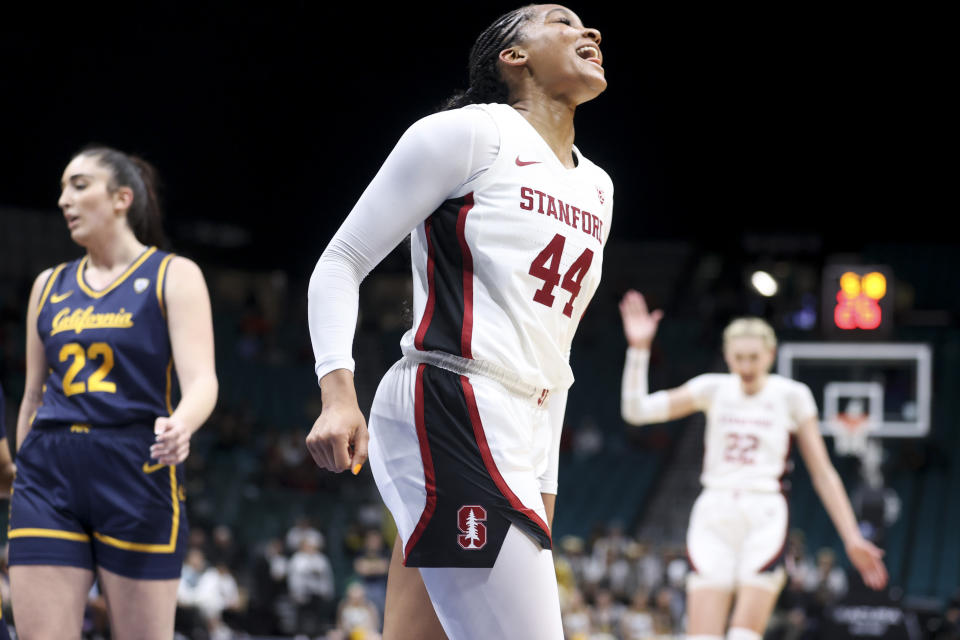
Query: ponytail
{"x": 145, "y": 216}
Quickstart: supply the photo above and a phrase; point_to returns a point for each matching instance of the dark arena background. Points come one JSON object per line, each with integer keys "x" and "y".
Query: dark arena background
{"x": 805, "y": 142}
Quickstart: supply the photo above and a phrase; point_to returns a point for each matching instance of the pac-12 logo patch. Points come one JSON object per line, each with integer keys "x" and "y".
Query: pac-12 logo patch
{"x": 473, "y": 533}
{"x": 140, "y": 284}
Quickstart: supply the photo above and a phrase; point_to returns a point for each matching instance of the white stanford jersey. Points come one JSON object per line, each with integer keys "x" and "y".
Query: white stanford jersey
{"x": 503, "y": 274}
{"x": 747, "y": 439}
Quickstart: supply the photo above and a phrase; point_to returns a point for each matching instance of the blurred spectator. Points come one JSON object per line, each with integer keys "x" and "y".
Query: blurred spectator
{"x": 189, "y": 620}
{"x": 217, "y": 592}
{"x": 572, "y": 548}
{"x": 223, "y": 550}
{"x": 310, "y": 583}
{"x": 576, "y": 617}
{"x": 606, "y": 613}
{"x": 664, "y": 622}
{"x": 269, "y": 587}
{"x": 798, "y": 564}
{"x": 828, "y": 581}
{"x": 636, "y": 623}
{"x": 613, "y": 539}
{"x": 650, "y": 568}
{"x": 621, "y": 575}
{"x": 193, "y": 567}
{"x": 198, "y": 537}
{"x": 371, "y": 566}
{"x": 303, "y": 530}
{"x": 356, "y": 614}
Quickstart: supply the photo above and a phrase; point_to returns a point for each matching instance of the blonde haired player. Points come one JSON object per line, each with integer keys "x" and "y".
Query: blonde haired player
{"x": 738, "y": 526}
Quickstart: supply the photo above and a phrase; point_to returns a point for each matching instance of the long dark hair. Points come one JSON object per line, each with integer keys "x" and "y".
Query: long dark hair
{"x": 486, "y": 83}
{"x": 145, "y": 216}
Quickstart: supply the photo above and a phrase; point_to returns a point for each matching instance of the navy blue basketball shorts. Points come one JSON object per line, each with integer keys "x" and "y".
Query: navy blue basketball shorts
{"x": 87, "y": 496}
{"x": 456, "y": 459}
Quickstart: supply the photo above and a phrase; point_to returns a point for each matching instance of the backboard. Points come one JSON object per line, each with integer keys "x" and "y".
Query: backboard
{"x": 888, "y": 382}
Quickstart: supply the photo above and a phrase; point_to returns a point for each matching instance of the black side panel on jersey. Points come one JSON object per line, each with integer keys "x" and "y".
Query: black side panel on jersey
{"x": 446, "y": 324}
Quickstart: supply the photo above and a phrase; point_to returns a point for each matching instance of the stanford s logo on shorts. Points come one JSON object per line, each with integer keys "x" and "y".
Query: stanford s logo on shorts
{"x": 473, "y": 532}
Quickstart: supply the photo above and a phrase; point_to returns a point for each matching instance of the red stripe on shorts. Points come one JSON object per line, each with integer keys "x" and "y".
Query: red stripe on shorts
{"x": 429, "y": 479}
{"x": 779, "y": 554}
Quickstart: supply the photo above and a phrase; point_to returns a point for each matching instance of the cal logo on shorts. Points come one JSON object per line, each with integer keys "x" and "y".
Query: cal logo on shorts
{"x": 473, "y": 533}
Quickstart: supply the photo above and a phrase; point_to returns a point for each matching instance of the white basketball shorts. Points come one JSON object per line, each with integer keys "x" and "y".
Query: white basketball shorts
{"x": 737, "y": 538}
{"x": 456, "y": 459}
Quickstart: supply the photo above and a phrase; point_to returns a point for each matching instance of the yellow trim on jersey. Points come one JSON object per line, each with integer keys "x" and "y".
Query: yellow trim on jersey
{"x": 161, "y": 276}
{"x": 161, "y": 273}
{"x": 116, "y": 283}
{"x": 48, "y": 533}
{"x": 169, "y": 385}
{"x": 49, "y": 285}
{"x": 171, "y": 546}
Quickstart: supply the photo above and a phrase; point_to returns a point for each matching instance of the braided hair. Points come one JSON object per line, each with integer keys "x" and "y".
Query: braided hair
{"x": 486, "y": 83}
{"x": 144, "y": 216}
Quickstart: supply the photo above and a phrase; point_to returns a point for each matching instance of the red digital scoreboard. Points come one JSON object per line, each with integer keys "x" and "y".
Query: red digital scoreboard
{"x": 857, "y": 300}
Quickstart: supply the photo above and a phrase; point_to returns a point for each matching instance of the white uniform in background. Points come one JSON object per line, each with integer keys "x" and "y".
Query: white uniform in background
{"x": 506, "y": 250}
{"x": 738, "y": 527}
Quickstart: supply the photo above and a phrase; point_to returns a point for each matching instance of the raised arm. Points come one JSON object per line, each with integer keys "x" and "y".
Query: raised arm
{"x": 434, "y": 160}
{"x": 637, "y": 405}
{"x": 190, "y": 324}
{"x": 865, "y": 556}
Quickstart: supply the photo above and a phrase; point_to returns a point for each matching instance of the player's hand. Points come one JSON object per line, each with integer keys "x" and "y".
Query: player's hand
{"x": 868, "y": 559}
{"x": 639, "y": 325}
{"x": 172, "y": 445}
{"x": 338, "y": 439}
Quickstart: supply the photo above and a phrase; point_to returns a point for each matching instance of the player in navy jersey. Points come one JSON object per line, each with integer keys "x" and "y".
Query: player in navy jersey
{"x": 507, "y": 222}
{"x": 99, "y": 487}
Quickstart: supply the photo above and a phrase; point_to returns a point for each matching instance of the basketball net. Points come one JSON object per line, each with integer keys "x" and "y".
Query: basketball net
{"x": 851, "y": 437}
{"x": 850, "y": 433}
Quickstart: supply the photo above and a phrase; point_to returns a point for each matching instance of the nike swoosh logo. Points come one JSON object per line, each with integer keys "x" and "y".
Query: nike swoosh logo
{"x": 521, "y": 163}
{"x": 150, "y": 468}
{"x": 60, "y": 298}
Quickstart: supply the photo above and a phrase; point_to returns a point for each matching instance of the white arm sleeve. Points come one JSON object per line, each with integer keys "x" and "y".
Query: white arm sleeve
{"x": 436, "y": 159}
{"x": 637, "y": 407}
{"x": 556, "y": 408}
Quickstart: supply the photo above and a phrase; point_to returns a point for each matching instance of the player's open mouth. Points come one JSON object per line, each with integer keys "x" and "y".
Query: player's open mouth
{"x": 590, "y": 53}
{"x": 72, "y": 221}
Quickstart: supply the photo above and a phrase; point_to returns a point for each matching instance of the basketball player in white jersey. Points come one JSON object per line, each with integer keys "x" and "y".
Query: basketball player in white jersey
{"x": 507, "y": 221}
{"x": 738, "y": 528}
